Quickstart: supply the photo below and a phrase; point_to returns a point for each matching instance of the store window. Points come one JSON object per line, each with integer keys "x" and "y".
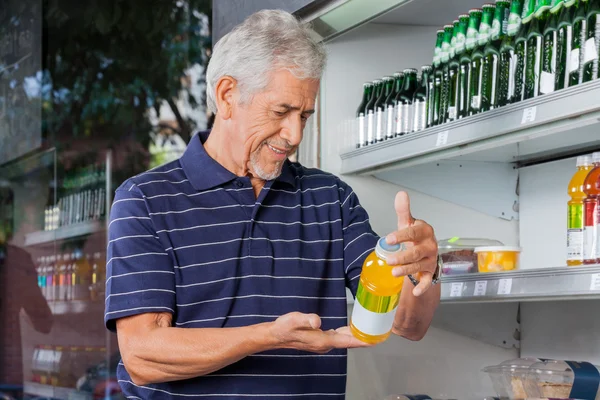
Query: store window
{"x": 91, "y": 93}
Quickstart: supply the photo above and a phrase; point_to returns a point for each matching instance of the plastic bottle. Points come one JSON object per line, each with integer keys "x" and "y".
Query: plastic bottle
{"x": 592, "y": 191}
{"x": 575, "y": 219}
{"x": 377, "y": 296}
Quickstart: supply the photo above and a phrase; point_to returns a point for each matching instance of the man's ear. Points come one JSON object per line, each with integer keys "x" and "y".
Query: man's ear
{"x": 226, "y": 92}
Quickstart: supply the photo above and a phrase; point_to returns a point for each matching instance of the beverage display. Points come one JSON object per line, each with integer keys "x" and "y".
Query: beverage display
{"x": 420, "y": 101}
{"x": 377, "y": 296}
{"x": 361, "y": 115}
{"x": 491, "y": 57}
{"x": 575, "y": 216}
{"x": 404, "y": 103}
{"x": 591, "y": 188}
{"x": 477, "y": 59}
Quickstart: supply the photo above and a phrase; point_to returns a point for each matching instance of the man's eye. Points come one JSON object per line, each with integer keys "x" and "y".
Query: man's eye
{"x": 304, "y": 118}
{"x": 280, "y": 113}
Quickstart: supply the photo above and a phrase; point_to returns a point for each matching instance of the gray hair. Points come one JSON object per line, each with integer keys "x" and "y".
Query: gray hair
{"x": 265, "y": 41}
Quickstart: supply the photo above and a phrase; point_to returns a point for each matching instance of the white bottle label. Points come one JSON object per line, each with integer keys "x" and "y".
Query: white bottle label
{"x": 389, "y": 129}
{"x": 589, "y": 243}
{"x": 590, "y": 53}
{"x": 420, "y": 116}
{"x": 575, "y": 245}
{"x": 407, "y": 117}
{"x": 361, "y": 131}
{"x": 476, "y": 102}
{"x": 370, "y": 127}
{"x": 546, "y": 83}
{"x": 379, "y": 125}
{"x": 511, "y": 74}
{"x": 451, "y": 113}
{"x": 574, "y": 61}
{"x": 372, "y": 323}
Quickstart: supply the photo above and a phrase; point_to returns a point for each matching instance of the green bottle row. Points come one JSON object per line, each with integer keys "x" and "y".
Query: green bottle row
{"x": 497, "y": 55}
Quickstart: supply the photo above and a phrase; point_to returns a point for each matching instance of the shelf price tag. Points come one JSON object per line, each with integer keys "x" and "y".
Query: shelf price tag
{"x": 480, "y": 288}
{"x": 595, "y": 284}
{"x": 504, "y": 286}
{"x": 529, "y": 115}
{"x": 456, "y": 289}
{"x": 442, "y": 138}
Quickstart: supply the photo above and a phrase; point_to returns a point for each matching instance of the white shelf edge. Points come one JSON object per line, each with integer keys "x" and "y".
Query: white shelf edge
{"x": 65, "y": 232}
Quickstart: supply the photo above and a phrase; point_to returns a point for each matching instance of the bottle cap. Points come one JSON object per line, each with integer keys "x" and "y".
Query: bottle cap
{"x": 462, "y": 16}
{"x": 584, "y": 161}
{"x": 440, "y": 31}
{"x": 410, "y": 71}
{"x": 366, "y": 84}
{"x": 596, "y": 157}
{"x": 376, "y": 81}
{"x": 488, "y": 5}
{"x": 384, "y": 250}
{"x": 398, "y": 73}
{"x": 388, "y": 78}
{"x": 448, "y": 27}
{"x": 474, "y": 10}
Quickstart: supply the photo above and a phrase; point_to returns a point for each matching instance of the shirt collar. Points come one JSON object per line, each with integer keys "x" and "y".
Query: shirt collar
{"x": 204, "y": 172}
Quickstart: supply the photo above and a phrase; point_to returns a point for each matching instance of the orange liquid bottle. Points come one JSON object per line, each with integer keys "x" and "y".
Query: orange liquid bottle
{"x": 592, "y": 191}
{"x": 575, "y": 218}
{"x": 377, "y": 296}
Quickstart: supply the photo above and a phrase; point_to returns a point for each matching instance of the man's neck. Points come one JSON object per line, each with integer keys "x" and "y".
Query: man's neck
{"x": 219, "y": 149}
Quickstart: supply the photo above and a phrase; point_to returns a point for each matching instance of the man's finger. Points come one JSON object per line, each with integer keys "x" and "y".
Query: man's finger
{"x": 402, "y": 207}
{"x": 425, "y": 282}
{"x": 303, "y": 321}
{"x": 412, "y": 254}
{"x": 343, "y": 339}
{"x": 413, "y": 233}
{"x": 425, "y": 265}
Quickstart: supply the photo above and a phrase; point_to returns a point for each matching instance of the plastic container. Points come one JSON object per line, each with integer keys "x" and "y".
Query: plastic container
{"x": 497, "y": 258}
{"x": 458, "y": 254}
{"x": 508, "y": 378}
{"x": 556, "y": 379}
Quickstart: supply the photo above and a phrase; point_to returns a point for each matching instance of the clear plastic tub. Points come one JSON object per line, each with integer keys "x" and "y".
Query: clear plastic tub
{"x": 555, "y": 379}
{"x": 508, "y": 378}
{"x": 458, "y": 254}
{"x": 497, "y": 258}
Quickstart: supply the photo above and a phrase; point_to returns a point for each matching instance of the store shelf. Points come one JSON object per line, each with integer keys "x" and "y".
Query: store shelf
{"x": 523, "y": 133}
{"x": 76, "y": 307}
{"x": 564, "y": 283}
{"x": 54, "y": 392}
{"x": 64, "y": 233}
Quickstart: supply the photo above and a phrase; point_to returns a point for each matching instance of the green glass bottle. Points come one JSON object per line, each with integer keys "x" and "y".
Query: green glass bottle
{"x": 421, "y": 100}
{"x": 578, "y": 43}
{"x": 464, "y": 75}
{"x": 521, "y": 50}
{"x": 491, "y": 57}
{"x": 380, "y": 109}
{"x": 390, "y": 104}
{"x": 404, "y": 102}
{"x": 430, "y": 99}
{"x": 592, "y": 44}
{"x": 535, "y": 48}
{"x": 550, "y": 49}
{"x": 370, "y": 110}
{"x": 564, "y": 40}
{"x": 455, "y": 25}
{"x": 361, "y": 141}
{"x": 449, "y": 74}
{"x": 441, "y": 74}
{"x": 483, "y": 38}
{"x": 454, "y": 67}
{"x": 437, "y": 83}
{"x": 506, "y": 75}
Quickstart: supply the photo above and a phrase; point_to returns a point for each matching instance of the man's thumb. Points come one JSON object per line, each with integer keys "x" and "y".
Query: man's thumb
{"x": 402, "y": 206}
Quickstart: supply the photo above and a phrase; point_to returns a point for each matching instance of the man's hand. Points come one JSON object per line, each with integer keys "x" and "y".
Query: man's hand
{"x": 420, "y": 256}
{"x": 302, "y": 332}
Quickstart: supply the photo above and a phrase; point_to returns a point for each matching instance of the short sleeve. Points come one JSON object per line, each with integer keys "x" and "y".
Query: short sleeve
{"x": 359, "y": 238}
{"x": 140, "y": 276}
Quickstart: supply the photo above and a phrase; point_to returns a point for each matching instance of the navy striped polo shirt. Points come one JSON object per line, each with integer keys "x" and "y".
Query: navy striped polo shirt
{"x": 191, "y": 238}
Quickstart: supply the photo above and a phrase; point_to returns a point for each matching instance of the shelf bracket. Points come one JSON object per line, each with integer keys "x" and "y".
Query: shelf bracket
{"x": 487, "y": 187}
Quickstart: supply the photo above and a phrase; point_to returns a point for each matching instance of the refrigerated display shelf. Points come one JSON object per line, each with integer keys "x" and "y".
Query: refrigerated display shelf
{"x": 76, "y": 307}
{"x": 547, "y": 284}
{"x": 528, "y": 132}
{"x": 64, "y": 233}
{"x": 54, "y": 392}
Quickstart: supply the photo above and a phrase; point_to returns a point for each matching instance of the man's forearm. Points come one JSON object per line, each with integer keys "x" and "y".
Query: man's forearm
{"x": 415, "y": 314}
{"x": 165, "y": 354}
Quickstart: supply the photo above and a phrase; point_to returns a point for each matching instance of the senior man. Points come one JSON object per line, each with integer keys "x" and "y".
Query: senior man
{"x": 227, "y": 268}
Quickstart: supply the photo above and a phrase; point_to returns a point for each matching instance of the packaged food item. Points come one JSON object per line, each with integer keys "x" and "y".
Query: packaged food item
{"x": 563, "y": 380}
{"x": 377, "y": 296}
{"x": 509, "y": 376}
{"x": 458, "y": 254}
{"x": 497, "y": 258}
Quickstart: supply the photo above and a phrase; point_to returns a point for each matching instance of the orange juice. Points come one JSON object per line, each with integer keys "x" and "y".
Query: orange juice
{"x": 377, "y": 296}
{"x": 590, "y": 232}
{"x": 575, "y": 219}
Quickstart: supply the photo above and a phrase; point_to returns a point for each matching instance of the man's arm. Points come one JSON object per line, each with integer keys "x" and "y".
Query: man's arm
{"x": 415, "y": 314}
{"x": 153, "y": 351}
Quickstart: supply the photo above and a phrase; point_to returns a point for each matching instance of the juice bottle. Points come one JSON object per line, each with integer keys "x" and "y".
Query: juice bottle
{"x": 575, "y": 219}
{"x": 377, "y": 296}
{"x": 590, "y": 232}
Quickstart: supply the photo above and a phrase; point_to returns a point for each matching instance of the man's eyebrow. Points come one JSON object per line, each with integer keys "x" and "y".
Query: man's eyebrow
{"x": 290, "y": 107}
